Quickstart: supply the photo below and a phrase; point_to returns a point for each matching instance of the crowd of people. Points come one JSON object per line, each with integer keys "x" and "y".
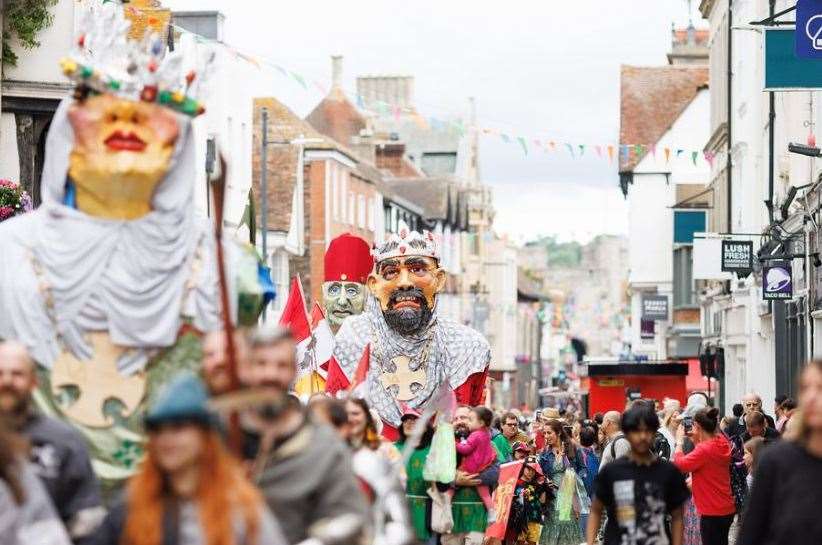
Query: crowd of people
{"x": 263, "y": 468}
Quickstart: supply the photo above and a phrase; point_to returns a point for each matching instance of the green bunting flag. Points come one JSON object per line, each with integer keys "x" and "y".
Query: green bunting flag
{"x": 522, "y": 143}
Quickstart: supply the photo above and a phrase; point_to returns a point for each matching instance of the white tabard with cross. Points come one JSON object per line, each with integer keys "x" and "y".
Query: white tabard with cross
{"x": 403, "y": 378}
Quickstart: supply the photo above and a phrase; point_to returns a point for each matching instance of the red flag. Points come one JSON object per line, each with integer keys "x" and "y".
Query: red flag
{"x": 294, "y": 316}
{"x": 362, "y": 368}
{"x": 508, "y": 476}
{"x": 336, "y": 379}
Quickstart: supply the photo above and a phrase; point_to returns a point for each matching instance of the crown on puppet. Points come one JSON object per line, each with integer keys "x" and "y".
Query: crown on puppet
{"x": 406, "y": 243}
{"x": 348, "y": 259}
{"x": 105, "y": 60}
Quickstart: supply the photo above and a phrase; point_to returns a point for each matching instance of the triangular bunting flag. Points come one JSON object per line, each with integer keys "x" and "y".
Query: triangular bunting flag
{"x": 693, "y": 157}
{"x": 299, "y": 79}
{"x": 570, "y": 150}
{"x": 610, "y": 153}
{"x": 598, "y": 149}
{"x": 581, "y": 150}
{"x": 524, "y": 144}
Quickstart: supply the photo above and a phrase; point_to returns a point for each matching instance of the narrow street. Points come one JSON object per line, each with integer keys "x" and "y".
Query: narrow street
{"x": 433, "y": 273}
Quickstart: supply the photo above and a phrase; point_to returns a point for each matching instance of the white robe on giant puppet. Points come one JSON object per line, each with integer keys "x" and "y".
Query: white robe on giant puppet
{"x": 100, "y": 303}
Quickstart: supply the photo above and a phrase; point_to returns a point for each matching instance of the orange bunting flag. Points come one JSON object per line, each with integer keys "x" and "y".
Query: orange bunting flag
{"x": 610, "y": 153}
{"x": 667, "y": 155}
{"x": 552, "y": 145}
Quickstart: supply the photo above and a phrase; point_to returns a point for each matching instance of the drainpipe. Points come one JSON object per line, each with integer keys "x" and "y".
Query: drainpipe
{"x": 730, "y": 104}
{"x": 771, "y": 120}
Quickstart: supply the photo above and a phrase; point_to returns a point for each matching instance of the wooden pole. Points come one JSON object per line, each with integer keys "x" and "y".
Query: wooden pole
{"x": 235, "y": 439}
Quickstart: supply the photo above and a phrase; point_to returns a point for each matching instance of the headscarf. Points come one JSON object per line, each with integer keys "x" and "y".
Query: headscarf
{"x": 65, "y": 273}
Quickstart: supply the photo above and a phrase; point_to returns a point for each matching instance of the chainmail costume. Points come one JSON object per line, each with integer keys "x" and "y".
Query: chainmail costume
{"x": 444, "y": 350}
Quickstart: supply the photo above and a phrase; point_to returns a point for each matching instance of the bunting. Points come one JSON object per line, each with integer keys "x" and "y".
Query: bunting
{"x": 576, "y": 150}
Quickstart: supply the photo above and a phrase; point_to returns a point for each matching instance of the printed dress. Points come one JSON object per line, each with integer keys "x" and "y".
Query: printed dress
{"x": 556, "y": 531}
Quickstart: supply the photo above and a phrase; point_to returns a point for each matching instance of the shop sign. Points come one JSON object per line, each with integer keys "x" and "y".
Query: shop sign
{"x": 655, "y": 307}
{"x": 737, "y": 256}
{"x": 784, "y": 71}
{"x": 610, "y": 382}
{"x": 777, "y": 282}
{"x": 808, "y": 31}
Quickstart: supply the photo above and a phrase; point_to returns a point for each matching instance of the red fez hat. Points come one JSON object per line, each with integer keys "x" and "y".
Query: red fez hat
{"x": 348, "y": 259}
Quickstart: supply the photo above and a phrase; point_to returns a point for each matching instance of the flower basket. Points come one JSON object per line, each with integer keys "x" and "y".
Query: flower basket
{"x": 14, "y": 200}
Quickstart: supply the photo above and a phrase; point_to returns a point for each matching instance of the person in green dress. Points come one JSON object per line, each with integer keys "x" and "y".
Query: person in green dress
{"x": 419, "y": 503}
{"x": 560, "y": 454}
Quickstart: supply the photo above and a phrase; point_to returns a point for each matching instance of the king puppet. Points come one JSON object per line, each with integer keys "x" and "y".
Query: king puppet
{"x": 107, "y": 280}
{"x": 411, "y": 349}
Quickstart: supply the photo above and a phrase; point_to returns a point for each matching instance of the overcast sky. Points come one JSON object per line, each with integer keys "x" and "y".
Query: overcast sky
{"x": 545, "y": 70}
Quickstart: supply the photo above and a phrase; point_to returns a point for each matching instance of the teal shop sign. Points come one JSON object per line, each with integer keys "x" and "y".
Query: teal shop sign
{"x": 784, "y": 71}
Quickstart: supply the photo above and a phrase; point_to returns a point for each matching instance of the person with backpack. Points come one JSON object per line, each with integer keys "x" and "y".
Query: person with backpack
{"x": 709, "y": 465}
{"x": 615, "y": 444}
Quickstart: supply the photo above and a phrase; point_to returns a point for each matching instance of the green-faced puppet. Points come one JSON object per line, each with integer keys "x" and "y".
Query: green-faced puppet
{"x": 348, "y": 262}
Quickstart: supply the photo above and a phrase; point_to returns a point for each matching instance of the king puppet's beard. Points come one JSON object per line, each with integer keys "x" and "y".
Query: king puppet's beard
{"x": 408, "y": 311}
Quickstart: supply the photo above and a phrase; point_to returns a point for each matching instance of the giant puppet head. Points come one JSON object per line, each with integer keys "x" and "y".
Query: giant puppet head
{"x": 126, "y": 120}
{"x": 348, "y": 262}
{"x": 406, "y": 279}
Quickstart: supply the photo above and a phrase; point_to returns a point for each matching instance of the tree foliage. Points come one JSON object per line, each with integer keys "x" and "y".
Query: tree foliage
{"x": 24, "y": 19}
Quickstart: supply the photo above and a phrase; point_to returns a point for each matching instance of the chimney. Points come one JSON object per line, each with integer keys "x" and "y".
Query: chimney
{"x": 336, "y": 71}
{"x": 392, "y": 90}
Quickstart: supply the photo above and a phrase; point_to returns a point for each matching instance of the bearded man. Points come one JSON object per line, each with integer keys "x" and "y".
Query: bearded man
{"x": 107, "y": 281}
{"x": 412, "y": 350}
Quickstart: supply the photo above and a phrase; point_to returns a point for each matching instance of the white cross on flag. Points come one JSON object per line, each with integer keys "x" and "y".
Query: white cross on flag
{"x": 315, "y": 345}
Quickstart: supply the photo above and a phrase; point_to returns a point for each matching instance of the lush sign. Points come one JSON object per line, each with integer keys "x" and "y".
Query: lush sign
{"x": 737, "y": 256}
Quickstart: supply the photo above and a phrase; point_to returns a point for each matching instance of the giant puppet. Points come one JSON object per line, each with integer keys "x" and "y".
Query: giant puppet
{"x": 108, "y": 278}
{"x": 348, "y": 263}
{"x": 412, "y": 349}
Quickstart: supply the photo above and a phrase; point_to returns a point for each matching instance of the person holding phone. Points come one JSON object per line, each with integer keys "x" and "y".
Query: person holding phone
{"x": 708, "y": 464}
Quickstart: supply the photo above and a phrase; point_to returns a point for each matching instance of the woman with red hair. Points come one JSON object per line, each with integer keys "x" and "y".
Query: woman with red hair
{"x": 189, "y": 490}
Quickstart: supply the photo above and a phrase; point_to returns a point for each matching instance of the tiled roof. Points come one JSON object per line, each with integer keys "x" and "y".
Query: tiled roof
{"x": 651, "y": 100}
{"x": 337, "y": 118}
{"x": 440, "y": 198}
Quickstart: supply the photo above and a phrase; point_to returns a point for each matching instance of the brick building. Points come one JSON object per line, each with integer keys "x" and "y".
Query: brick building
{"x": 317, "y": 190}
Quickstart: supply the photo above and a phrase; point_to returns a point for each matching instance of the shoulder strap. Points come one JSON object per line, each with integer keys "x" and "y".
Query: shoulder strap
{"x": 617, "y": 437}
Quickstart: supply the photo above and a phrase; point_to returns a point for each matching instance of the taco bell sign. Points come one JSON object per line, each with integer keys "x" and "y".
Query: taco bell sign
{"x": 777, "y": 281}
